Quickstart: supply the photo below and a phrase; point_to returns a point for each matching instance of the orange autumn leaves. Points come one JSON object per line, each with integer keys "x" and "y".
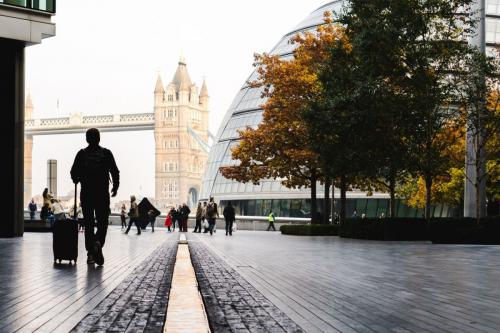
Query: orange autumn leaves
{"x": 279, "y": 147}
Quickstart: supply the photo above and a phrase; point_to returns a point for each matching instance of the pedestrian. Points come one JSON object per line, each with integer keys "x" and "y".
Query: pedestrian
{"x": 32, "y": 209}
{"x": 168, "y": 220}
{"x": 44, "y": 212}
{"x": 58, "y": 210}
{"x": 184, "y": 212}
{"x": 79, "y": 216}
{"x": 123, "y": 215}
{"x": 134, "y": 215}
{"x": 204, "y": 219}
{"x": 229, "y": 216}
{"x": 152, "y": 219}
{"x": 47, "y": 197}
{"x": 199, "y": 217}
{"x": 174, "y": 218}
{"x": 271, "y": 220}
{"x": 355, "y": 214}
{"x": 92, "y": 168}
{"x": 212, "y": 215}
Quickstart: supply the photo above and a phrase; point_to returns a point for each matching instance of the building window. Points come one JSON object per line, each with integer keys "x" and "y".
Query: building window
{"x": 170, "y": 97}
{"x": 195, "y": 116}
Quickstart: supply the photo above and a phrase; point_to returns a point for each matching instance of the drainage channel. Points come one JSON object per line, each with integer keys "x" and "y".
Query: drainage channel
{"x": 185, "y": 312}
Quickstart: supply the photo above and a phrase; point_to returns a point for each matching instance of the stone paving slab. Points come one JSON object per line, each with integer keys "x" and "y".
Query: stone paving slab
{"x": 38, "y": 296}
{"x": 332, "y": 284}
{"x": 232, "y": 304}
{"x": 186, "y": 312}
{"x": 139, "y": 303}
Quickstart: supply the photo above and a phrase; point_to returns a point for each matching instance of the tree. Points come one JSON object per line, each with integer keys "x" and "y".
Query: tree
{"x": 331, "y": 117}
{"x": 481, "y": 103}
{"x": 279, "y": 147}
{"x": 376, "y": 31}
{"x": 432, "y": 50}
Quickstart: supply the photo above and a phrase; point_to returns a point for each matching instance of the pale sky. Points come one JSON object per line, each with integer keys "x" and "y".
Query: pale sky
{"x": 106, "y": 55}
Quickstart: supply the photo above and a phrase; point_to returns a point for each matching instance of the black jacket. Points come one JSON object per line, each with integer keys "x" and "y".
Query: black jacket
{"x": 185, "y": 211}
{"x": 229, "y": 213}
{"x": 92, "y": 168}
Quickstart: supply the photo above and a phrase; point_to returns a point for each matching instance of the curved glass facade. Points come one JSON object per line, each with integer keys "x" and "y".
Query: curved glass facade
{"x": 245, "y": 111}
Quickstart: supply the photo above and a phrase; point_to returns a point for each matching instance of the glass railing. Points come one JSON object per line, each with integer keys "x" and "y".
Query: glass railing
{"x": 41, "y": 5}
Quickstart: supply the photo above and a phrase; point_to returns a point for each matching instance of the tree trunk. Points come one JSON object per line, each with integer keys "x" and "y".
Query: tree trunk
{"x": 326, "y": 218}
{"x": 392, "y": 200}
{"x": 343, "y": 200}
{"x": 428, "y": 188}
{"x": 314, "y": 209}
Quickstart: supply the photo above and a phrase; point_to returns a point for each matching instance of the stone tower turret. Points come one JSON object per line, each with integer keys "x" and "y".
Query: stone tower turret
{"x": 204, "y": 98}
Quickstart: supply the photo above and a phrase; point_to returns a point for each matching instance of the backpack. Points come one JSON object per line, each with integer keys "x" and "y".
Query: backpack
{"x": 96, "y": 166}
{"x": 211, "y": 210}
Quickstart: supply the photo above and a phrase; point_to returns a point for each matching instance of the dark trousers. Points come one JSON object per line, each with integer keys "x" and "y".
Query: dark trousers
{"x": 271, "y": 225}
{"x": 211, "y": 224}
{"x": 197, "y": 228}
{"x": 95, "y": 207}
{"x": 134, "y": 220}
{"x": 184, "y": 226}
{"x": 153, "y": 224}
{"x": 229, "y": 226}
{"x": 81, "y": 224}
{"x": 173, "y": 224}
{"x": 32, "y": 215}
{"x": 124, "y": 223}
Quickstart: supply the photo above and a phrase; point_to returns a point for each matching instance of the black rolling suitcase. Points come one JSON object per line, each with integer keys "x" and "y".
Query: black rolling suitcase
{"x": 65, "y": 238}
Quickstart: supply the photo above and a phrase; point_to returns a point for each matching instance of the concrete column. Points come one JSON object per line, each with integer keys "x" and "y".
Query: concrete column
{"x": 473, "y": 139}
{"x": 12, "y": 129}
{"x": 52, "y": 177}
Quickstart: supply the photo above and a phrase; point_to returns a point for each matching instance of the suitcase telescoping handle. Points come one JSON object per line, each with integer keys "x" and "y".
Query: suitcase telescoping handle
{"x": 75, "y": 214}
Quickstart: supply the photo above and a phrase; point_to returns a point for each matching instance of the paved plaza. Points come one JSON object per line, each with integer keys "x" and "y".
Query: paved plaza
{"x": 272, "y": 283}
{"x": 35, "y": 295}
{"x": 330, "y": 284}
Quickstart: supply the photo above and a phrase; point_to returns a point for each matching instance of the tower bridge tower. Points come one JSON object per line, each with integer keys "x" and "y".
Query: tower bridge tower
{"x": 28, "y": 152}
{"x": 180, "y": 161}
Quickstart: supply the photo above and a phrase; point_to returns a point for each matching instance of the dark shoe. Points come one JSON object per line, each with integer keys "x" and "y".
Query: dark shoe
{"x": 99, "y": 258}
{"x": 90, "y": 259}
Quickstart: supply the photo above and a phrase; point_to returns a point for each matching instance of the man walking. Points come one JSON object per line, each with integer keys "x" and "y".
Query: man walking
{"x": 199, "y": 216}
{"x": 152, "y": 219}
{"x": 184, "y": 216}
{"x": 134, "y": 216}
{"x": 271, "y": 219}
{"x": 212, "y": 215}
{"x": 229, "y": 216}
{"x": 92, "y": 168}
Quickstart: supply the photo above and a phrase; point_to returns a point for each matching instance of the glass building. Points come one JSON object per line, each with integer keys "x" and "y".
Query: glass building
{"x": 245, "y": 110}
